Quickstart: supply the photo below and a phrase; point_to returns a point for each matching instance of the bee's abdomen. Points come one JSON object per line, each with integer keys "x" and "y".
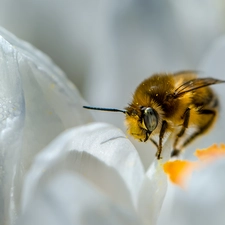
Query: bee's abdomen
{"x": 205, "y": 98}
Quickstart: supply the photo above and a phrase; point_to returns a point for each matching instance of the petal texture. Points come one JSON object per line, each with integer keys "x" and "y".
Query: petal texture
{"x": 68, "y": 199}
{"x": 37, "y": 103}
{"x": 100, "y": 153}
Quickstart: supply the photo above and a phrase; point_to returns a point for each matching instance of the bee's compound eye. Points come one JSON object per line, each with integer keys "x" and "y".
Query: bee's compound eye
{"x": 150, "y": 118}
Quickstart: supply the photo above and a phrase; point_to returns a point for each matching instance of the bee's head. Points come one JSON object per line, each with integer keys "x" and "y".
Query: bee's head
{"x": 141, "y": 121}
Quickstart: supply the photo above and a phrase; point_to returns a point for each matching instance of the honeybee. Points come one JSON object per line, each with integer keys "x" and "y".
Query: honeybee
{"x": 177, "y": 102}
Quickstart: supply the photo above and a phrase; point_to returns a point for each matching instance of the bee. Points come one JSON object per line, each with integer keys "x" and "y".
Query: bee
{"x": 176, "y": 102}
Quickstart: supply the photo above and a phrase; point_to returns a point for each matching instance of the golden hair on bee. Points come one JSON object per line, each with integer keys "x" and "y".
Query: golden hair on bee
{"x": 171, "y": 103}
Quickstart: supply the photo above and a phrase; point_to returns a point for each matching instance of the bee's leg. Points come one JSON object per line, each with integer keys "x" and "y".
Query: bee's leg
{"x": 154, "y": 142}
{"x": 175, "y": 152}
{"x": 186, "y": 118}
{"x": 161, "y": 134}
{"x": 211, "y": 116}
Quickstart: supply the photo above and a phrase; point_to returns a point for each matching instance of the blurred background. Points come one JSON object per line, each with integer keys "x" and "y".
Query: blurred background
{"x": 107, "y": 47}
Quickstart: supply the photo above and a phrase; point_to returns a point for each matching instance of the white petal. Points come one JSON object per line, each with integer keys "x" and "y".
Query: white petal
{"x": 99, "y": 152}
{"x": 37, "y": 103}
{"x": 154, "y": 187}
{"x": 68, "y": 199}
{"x": 203, "y": 202}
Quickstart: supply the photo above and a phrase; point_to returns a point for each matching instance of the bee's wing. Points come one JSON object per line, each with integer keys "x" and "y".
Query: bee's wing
{"x": 186, "y": 73}
{"x": 195, "y": 84}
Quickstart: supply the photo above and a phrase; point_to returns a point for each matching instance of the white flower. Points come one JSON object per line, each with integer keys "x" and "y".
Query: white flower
{"x": 89, "y": 174}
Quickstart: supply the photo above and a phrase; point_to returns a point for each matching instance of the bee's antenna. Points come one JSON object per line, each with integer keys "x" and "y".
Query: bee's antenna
{"x": 105, "y": 109}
